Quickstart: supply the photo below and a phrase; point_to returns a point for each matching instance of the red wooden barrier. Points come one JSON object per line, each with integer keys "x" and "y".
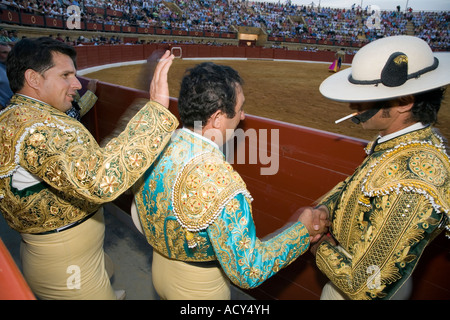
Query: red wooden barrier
{"x": 12, "y": 284}
{"x": 32, "y": 20}
{"x": 89, "y": 56}
{"x": 54, "y": 23}
{"x": 10, "y": 16}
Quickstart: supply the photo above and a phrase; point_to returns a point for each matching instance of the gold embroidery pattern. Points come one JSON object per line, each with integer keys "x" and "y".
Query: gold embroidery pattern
{"x": 429, "y": 168}
{"x": 247, "y": 267}
{"x": 80, "y": 174}
{"x": 415, "y": 167}
{"x": 46, "y": 210}
{"x": 193, "y": 187}
{"x": 202, "y": 188}
{"x": 393, "y": 205}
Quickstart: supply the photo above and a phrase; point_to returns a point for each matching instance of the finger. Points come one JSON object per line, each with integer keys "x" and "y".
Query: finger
{"x": 315, "y": 238}
{"x": 165, "y": 68}
{"x": 323, "y": 215}
{"x": 159, "y": 66}
{"x": 304, "y": 211}
{"x": 160, "y": 77}
{"x": 316, "y": 220}
{"x": 163, "y": 61}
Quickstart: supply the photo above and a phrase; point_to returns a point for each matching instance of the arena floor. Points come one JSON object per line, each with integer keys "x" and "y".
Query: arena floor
{"x": 286, "y": 91}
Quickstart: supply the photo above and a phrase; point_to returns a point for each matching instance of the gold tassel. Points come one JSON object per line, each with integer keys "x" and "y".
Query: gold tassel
{"x": 190, "y": 238}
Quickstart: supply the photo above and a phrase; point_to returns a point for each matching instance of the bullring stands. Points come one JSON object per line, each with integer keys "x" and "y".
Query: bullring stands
{"x": 283, "y": 22}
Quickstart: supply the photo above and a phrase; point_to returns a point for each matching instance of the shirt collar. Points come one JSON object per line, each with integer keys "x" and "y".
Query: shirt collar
{"x": 212, "y": 143}
{"x": 28, "y": 97}
{"x": 414, "y": 127}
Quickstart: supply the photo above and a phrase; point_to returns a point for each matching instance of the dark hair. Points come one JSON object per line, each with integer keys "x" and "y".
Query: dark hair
{"x": 35, "y": 54}
{"x": 426, "y": 106}
{"x": 206, "y": 88}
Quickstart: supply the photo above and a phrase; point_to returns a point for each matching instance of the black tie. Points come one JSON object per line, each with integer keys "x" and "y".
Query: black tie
{"x": 372, "y": 149}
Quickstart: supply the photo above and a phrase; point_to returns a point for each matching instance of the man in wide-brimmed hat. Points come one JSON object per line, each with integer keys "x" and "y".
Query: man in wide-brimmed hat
{"x": 396, "y": 202}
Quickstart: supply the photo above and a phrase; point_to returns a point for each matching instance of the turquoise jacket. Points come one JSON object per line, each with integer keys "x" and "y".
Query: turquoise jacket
{"x": 194, "y": 207}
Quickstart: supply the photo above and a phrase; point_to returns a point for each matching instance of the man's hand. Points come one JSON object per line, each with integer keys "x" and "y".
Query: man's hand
{"x": 315, "y": 220}
{"x": 320, "y": 214}
{"x": 159, "y": 87}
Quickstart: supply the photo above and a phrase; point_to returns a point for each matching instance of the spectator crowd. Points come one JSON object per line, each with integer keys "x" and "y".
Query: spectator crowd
{"x": 287, "y": 20}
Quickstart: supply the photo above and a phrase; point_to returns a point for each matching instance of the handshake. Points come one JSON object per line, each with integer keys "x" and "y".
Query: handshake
{"x": 316, "y": 220}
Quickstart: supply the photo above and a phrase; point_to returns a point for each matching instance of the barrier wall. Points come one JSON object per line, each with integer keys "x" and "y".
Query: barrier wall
{"x": 310, "y": 163}
{"x": 12, "y": 284}
{"x": 90, "y": 56}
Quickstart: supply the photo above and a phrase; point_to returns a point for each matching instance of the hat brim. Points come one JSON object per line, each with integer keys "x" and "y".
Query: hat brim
{"x": 338, "y": 87}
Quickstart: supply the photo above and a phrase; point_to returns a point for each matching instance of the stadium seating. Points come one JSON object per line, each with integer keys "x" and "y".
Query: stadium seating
{"x": 220, "y": 19}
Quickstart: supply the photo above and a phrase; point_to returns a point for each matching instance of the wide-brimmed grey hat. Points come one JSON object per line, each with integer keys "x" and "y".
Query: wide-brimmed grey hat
{"x": 387, "y": 68}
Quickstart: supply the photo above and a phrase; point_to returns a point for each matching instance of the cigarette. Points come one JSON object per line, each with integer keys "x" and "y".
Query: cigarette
{"x": 346, "y": 117}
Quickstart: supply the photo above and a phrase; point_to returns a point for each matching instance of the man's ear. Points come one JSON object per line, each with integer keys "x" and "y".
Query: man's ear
{"x": 212, "y": 129}
{"x": 216, "y": 119}
{"x": 405, "y": 108}
{"x": 405, "y": 103}
{"x": 32, "y": 78}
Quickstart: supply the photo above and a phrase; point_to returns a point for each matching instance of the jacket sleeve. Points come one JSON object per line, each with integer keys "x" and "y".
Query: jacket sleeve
{"x": 331, "y": 199}
{"x": 247, "y": 260}
{"x": 385, "y": 249}
{"x": 64, "y": 154}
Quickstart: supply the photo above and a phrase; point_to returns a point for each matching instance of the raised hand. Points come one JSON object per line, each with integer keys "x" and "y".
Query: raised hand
{"x": 159, "y": 87}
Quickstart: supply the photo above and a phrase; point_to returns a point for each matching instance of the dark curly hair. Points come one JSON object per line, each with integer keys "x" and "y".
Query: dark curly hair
{"x": 206, "y": 88}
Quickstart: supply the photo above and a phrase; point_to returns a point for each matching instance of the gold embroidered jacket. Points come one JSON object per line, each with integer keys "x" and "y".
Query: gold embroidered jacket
{"x": 77, "y": 176}
{"x": 385, "y": 214}
{"x": 193, "y": 206}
